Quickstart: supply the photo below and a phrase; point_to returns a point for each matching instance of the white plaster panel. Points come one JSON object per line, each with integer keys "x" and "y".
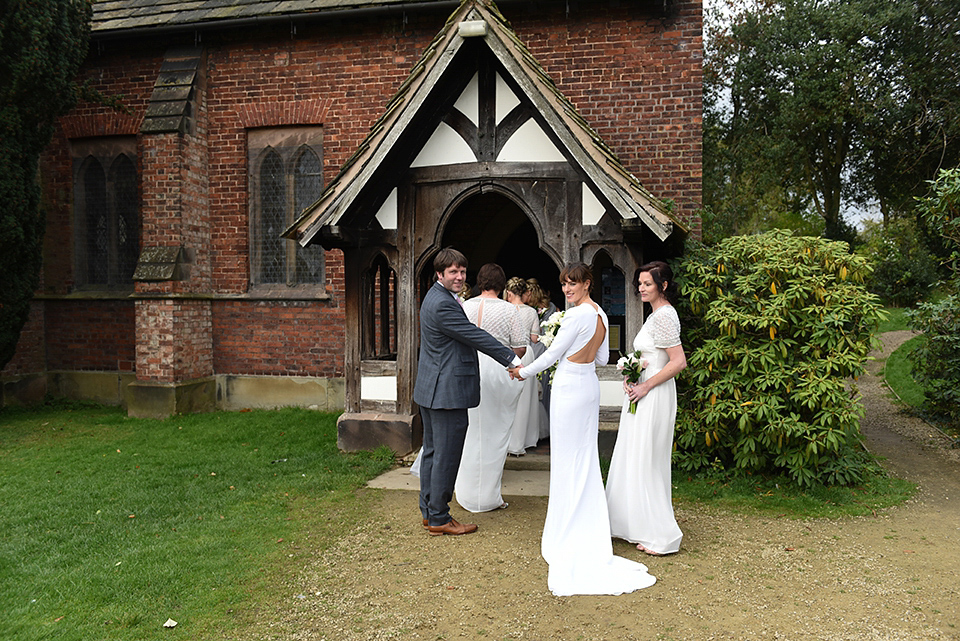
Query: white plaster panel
{"x": 611, "y": 393}
{"x": 379, "y": 388}
{"x": 445, "y": 147}
{"x": 506, "y": 99}
{"x": 529, "y": 144}
{"x": 387, "y": 215}
{"x": 592, "y": 208}
{"x": 469, "y": 101}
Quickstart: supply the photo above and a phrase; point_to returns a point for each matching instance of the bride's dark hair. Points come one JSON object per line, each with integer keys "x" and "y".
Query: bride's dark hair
{"x": 663, "y": 278}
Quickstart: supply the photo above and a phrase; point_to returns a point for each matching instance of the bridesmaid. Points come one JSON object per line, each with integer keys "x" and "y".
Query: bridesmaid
{"x": 638, "y": 483}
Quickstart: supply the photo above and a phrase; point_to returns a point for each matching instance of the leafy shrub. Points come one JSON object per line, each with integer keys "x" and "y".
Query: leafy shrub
{"x": 779, "y": 324}
{"x": 937, "y": 362}
{"x": 904, "y": 269}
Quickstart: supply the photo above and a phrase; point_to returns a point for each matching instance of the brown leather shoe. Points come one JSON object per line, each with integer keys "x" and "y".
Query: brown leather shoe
{"x": 451, "y": 527}
{"x": 425, "y": 523}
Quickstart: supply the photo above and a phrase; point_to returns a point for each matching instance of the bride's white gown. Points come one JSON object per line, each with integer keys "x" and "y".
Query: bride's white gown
{"x": 576, "y": 535}
{"x": 638, "y": 484}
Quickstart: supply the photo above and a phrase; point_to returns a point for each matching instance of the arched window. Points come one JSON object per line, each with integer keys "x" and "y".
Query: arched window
{"x": 307, "y": 187}
{"x": 379, "y": 311}
{"x": 611, "y": 296}
{"x": 106, "y": 212}
{"x": 273, "y": 215}
{"x": 286, "y": 177}
{"x": 123, "y": 178}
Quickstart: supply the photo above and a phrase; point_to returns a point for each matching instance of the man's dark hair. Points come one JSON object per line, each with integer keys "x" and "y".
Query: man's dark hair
{"x": 448, "y": 257}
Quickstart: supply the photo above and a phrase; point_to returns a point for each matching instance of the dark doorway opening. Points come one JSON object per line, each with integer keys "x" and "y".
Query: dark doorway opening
{"x": 491, "y": 228}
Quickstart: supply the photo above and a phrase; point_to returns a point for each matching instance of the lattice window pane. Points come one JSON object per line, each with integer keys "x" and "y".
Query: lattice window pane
{"x": 308, "y": 185}
{"x": 96, "y": 226}
{"x": 273, "y": 207}
{"x": 126, "y": 209}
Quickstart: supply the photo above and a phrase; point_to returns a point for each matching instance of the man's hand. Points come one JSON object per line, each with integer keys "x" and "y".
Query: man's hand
{"x": 514, "y": 373}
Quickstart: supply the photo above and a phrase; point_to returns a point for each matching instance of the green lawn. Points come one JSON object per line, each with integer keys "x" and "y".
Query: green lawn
{"x": 897, "y": 374}
{"x": 111, "y": 525}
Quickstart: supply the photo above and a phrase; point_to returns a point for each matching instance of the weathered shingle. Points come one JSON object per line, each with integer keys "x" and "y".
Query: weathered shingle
{"x": 116, "y": 15}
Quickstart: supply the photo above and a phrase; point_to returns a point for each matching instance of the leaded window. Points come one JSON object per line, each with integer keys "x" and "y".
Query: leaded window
{"x": 286, "y": 177}
{"x": 106, "y": 213}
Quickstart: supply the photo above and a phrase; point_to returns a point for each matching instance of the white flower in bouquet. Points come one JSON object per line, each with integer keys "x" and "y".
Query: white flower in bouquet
{"x": 631, "y": 367}
{"x": 550, "y": 328}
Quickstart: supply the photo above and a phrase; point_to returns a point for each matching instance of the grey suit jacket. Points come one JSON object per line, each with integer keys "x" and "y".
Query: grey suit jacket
{"x": 448, "y": 373}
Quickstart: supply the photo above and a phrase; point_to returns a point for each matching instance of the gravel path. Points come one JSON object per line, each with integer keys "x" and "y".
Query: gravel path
{"x": 893, "y": 576}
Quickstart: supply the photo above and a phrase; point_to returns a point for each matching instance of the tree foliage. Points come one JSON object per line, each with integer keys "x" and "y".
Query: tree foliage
{"x": 936, "y": 363}
{"x": 42, "y": 45}
{"x": 815, "y": 105}
{"x": 779, "y": 324}
{"x": 904, "y": 270}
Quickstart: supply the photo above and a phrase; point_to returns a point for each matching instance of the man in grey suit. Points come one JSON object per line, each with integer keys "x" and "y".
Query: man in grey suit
{"x": 448, "y": 382}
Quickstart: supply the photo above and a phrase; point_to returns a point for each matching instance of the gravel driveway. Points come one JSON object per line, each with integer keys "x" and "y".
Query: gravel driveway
{"x": 892, "y": 576}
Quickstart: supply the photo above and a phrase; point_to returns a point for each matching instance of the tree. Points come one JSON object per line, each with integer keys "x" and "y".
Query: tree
{"x": 42, "y": 45}
{"x": 818, "y": 104}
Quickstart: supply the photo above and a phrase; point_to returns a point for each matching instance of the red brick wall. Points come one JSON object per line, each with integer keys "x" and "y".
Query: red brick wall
{"x": 92, "y": 335}
{"x": 636, "y": 79}
{"x": 30, "y": 357}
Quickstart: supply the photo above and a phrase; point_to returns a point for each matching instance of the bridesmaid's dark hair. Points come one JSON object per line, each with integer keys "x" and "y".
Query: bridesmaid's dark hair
{"x": 577, "y": 273}
{"x": 663, "y": 278}
{"x": 491, "y": 277}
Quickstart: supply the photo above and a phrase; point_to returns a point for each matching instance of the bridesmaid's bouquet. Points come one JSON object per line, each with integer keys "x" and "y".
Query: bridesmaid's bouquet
{"x": 631, "y": 366}
{"x": 550, "y": 327}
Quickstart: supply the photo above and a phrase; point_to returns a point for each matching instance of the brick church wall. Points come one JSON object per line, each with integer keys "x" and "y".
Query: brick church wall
{"x": 636, "y": 79}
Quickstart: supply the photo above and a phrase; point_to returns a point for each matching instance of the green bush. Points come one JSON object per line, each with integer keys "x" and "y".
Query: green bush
{"x": 937, "y": 361}
{"x": 904, "y": 270}
{"x": 778, "y": 325}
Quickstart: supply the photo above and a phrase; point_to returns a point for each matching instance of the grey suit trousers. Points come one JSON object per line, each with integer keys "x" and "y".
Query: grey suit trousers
{"x": 443, "y": 435}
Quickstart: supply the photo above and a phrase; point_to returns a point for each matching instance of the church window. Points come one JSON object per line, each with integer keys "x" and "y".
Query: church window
{"x": 106, "y": 212}
{"x": 286, "y": 177}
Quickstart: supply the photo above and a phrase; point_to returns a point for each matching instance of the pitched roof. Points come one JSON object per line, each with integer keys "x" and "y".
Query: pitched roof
{"x": 623, "y": 191}
{"x": 125, "y": 15}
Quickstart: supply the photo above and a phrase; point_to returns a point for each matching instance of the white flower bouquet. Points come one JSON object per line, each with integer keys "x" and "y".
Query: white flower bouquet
{"x": 631, "y": 367}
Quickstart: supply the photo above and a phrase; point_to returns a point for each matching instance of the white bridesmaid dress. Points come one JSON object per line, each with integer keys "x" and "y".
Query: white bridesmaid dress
{"x": 639, "y": 492}
{"x": 525, "y": 431}
{"x": 576, "y": 535}
{"x": 478, "y": 484}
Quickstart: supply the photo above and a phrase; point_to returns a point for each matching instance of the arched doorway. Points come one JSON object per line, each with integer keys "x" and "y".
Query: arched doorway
{"x": 491, "y": 228}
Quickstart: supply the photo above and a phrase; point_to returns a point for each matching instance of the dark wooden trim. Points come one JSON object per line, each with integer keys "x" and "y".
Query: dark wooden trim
{"x": 466, "y": 129}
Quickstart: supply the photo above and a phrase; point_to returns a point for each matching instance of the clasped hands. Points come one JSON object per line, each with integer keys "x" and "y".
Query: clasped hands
{"x": 515, "y": 373}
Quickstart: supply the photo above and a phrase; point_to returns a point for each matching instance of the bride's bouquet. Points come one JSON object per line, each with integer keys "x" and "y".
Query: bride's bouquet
{"x": 631, "y": 366}
{"x": 550, "y": 328}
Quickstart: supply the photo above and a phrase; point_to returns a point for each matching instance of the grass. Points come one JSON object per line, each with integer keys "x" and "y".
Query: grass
{"x": 111, "y": 525}
{"x": 778, "y": 497}
{"x": 896, "y": 319}
{"x": 897, "y": 373}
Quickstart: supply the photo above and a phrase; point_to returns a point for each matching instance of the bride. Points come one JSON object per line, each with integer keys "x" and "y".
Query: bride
{"x": 576, "y": 541}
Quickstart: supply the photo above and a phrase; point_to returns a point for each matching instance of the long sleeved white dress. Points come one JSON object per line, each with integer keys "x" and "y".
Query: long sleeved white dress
{"x": 576, "y": 540}
{"x": 525, "y": 431}
{"x": 488, "y": 431}
{"x": 638, "y": 483}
